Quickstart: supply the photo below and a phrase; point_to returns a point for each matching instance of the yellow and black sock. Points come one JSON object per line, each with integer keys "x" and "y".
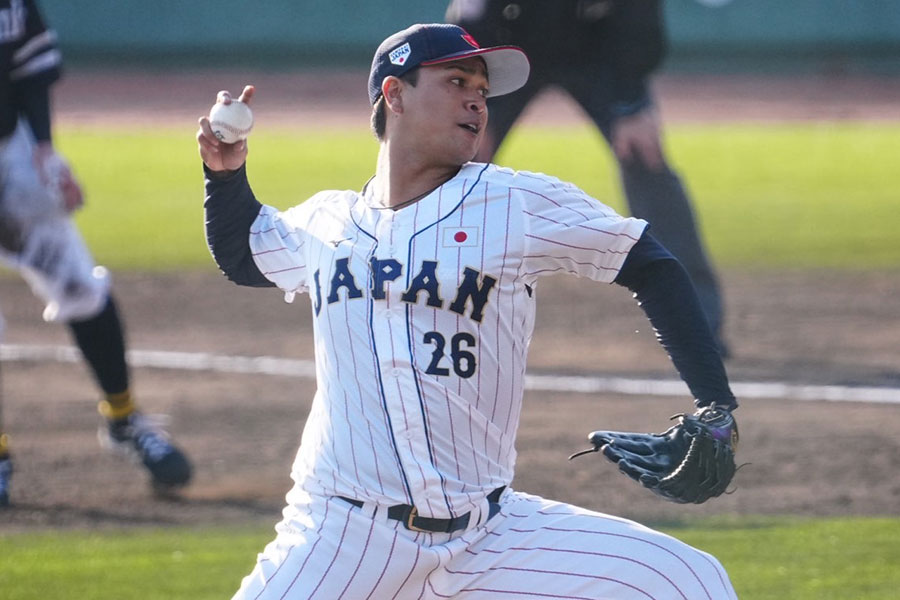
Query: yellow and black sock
{"x": 116, "y": 407}
{"x": 4, "y": 446}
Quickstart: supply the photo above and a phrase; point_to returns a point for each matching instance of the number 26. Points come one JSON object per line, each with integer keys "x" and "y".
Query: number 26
{"x": 463, "y": 360}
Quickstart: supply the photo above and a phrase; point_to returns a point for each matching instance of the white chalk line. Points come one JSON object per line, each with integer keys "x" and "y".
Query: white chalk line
{"x": 270, "y": 365}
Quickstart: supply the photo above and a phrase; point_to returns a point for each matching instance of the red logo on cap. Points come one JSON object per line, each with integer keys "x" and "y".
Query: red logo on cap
{"x": 470, "y": 40}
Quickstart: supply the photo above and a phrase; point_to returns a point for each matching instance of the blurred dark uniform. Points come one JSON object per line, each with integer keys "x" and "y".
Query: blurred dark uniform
{"x": 602, "y": 52}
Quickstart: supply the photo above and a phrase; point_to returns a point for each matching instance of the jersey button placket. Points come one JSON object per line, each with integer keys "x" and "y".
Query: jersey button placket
{"x": 392, "y": 236}
{"x": 393, "y": 350}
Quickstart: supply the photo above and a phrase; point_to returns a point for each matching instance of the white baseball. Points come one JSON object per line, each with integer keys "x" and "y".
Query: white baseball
{"x": 231, "y": 122}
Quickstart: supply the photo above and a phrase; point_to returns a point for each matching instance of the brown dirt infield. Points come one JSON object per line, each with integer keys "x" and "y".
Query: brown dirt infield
{"x": 241, "y": 431}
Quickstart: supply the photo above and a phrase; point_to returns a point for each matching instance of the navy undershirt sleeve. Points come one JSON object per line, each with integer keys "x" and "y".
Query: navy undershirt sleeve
{"x": 667, "y": 296}
{"x": 230, "y": 209}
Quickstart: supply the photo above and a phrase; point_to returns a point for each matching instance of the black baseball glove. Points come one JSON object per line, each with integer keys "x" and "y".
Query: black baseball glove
{"x": 692, "y": 461}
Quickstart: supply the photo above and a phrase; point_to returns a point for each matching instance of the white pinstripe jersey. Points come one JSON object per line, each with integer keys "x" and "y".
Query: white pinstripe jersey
{"x": 423, "y": 317}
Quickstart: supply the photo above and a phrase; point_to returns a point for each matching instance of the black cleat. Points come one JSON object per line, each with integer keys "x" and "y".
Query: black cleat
{"x": 143, "y": 439}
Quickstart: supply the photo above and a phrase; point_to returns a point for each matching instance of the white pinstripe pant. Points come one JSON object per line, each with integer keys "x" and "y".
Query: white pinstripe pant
{"x": 534, "y": 548}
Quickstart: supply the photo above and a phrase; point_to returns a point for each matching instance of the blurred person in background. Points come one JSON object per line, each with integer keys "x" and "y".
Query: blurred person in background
{"x": 602, "y": 53}
{"x": 38, "y": 238}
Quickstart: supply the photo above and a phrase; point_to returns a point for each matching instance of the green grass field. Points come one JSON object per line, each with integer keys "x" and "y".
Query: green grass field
{"x": 777, "y": 196}
{"x": 776, "y": 559}
{"x": 783, "y": 196}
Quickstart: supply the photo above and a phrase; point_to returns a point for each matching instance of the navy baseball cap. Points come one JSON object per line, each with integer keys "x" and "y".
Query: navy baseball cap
{"x": 436, "y": 43}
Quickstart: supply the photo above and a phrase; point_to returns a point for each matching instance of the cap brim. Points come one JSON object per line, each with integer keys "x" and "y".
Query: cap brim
{"x": 507, "y": 67}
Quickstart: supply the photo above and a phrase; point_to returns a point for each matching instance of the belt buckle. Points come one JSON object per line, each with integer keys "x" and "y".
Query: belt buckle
{"x": 409, "y": 521}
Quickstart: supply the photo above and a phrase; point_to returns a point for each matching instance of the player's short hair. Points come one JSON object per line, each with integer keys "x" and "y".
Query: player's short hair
{"x": 379, "y": 111}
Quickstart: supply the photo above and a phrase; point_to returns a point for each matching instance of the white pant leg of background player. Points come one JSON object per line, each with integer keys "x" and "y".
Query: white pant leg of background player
{"x": 54, "y": 259}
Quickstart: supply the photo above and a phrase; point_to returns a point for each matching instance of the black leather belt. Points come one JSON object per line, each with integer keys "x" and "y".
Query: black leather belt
{"x": 409, "y": 516}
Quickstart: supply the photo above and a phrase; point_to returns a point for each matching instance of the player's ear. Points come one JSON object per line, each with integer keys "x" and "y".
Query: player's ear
{"x": 392, "y": 90}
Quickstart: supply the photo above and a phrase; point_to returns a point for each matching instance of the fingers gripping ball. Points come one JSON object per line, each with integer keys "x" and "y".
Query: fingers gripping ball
{"x": 231, "y": 122}
{"x": 691, "y": 462}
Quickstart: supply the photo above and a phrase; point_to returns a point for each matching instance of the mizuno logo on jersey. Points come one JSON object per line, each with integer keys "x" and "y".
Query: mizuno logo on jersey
{"x": 471, "y": 294}
{"x": 399, "y": 55}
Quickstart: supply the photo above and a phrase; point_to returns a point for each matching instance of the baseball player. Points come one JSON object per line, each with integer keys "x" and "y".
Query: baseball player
{"x": 38, "y": 192}
{"x": 602, "y": 53}
{"x": 422, "y": 288}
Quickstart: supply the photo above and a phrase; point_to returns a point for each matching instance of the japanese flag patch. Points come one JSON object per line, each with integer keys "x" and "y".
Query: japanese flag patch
{"x": 460, "y": 237}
